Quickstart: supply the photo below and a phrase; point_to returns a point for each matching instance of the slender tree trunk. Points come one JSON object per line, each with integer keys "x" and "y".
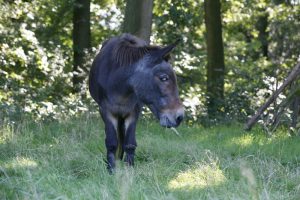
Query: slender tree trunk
{"x": 215, "y": 58}
{"x": 295, "y": 110}
{"x": 295, "y": 107}
{"x": 81, "y": 39}
{"x": 262, "y": 25}
{"x": 138, "y": 18}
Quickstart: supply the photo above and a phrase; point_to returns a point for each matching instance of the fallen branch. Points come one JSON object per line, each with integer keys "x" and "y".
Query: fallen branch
{"x": 293, "y": 93}
{"x": 291, "y": 77}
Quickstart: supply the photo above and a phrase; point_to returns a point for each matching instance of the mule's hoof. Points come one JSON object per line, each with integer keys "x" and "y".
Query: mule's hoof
{"x": 129, "y": 160}
{"x": 111, "y": 170}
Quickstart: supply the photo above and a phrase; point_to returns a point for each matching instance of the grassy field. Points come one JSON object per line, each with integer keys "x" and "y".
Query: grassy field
{"x": 64, "y": 160}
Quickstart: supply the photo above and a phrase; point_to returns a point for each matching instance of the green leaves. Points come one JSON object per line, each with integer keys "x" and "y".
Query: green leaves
{"x": 36, "y": 51}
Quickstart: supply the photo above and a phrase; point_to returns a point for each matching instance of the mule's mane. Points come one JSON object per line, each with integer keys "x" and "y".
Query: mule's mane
{"x": 130, "y": 49}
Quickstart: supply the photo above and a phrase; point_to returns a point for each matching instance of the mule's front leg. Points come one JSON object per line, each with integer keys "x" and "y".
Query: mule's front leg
{"x": 111, "y": 141}
{"x": 130, "y": 141}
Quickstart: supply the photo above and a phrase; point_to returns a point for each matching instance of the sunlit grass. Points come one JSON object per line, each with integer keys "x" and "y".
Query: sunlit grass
{"x": 20, "y": 162}
{"x": 6, "y": 133}
{"x": 201, "y": 176}
{"x": 244, "y": 140}
{"x": 65, "y": 160}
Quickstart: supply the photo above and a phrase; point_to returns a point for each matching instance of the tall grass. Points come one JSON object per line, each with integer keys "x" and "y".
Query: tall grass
{"x": 65, "y": 160}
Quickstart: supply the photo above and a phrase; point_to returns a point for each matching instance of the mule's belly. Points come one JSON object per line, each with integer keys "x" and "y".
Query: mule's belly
{"x": 121, "y": 106}
{"x": 121, "y": 110}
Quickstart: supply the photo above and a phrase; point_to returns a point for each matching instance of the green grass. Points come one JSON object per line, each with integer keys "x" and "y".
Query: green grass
{"x": 64, "y": 160}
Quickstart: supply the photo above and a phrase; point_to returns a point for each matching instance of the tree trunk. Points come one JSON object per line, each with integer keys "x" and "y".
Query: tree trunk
{"x": 215, "y": 58}
{"x": 138, "y": 18}
{"x": 295, "y": 107}
{"x": 81, "y": 39}
{"x": 295, "y": 110}
{"x": 262, "y": 25}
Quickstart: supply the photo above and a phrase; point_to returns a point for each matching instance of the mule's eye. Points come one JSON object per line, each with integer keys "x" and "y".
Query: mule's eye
{"x": 164, "y": 77}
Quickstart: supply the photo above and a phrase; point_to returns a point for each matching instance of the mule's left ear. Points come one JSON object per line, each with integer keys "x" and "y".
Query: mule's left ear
{"x": 166, "y": 50}
{"x": 161, "y": 54}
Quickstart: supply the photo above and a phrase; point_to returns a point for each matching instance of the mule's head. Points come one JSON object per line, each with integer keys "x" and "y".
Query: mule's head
{"x": 155, "y": 84}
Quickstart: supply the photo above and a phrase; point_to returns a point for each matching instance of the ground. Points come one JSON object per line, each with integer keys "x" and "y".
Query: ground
{"x": 65, "y": 160}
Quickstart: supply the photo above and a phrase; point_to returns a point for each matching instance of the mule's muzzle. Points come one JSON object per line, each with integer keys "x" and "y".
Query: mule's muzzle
{"x": 171, "y": 118}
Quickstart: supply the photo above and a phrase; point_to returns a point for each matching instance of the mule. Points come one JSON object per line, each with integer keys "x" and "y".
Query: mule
{"x": 125, "y": 75}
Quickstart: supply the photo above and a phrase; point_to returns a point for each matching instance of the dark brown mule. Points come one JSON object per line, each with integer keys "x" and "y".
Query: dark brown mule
{"x": 126, "y": 74}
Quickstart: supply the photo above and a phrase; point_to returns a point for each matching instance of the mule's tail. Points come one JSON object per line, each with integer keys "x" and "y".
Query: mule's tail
{"x": 121, "y": 138}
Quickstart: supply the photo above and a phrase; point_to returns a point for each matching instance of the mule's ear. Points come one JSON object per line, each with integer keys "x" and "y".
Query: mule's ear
{"x": 166, "y": 50}
{"x": 162, "y": 54}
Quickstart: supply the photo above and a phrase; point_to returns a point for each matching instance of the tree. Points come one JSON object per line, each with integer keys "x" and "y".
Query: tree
{"x": 215, "y": 58}
{"x": 262, "y": 25}
{"x": 81, "y": 39}
{"x": 138, "y": 18}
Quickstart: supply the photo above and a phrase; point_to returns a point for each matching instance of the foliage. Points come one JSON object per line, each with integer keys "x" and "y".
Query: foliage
{"x": 250, "y": 77}
{"x": 36, "y": 53}
{"x": 36, "y": 57}
{"x": 65, "y": 161}
{"x": 32, "y": 73}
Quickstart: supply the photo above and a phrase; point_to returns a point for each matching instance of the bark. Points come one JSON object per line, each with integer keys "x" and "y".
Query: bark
{"x": 81, "y": 39}
{"x": 215, "y": 58}
{"x": 138, "y": 18}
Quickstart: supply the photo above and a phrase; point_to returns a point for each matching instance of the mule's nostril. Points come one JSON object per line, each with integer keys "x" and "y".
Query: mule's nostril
{"x": 179, "y": 119}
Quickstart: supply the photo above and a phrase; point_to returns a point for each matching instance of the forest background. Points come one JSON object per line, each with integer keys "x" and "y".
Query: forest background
{"x": 47, "y": 47}
{"x": 232, "y": 58}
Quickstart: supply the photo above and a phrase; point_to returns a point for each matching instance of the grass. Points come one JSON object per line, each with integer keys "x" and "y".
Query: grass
{"x": 64, "y": 160}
